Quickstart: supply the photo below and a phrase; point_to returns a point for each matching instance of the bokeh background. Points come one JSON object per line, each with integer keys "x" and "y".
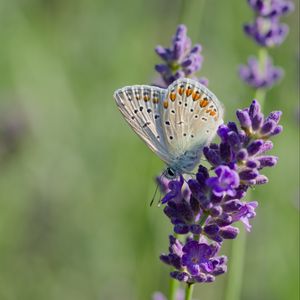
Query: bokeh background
{"x": 75, "y": 182}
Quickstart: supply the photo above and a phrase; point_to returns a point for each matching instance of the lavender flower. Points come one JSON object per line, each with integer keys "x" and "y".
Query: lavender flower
{"x": 207, "y": 207}
{"x": 180, "y": 60}
{"x": 271, "y": 8}
{"x": 267, "y": 31}
{"x": 196, "y": 261}
{"x": 225, "y": 182}
{"x": 257, "y": 76}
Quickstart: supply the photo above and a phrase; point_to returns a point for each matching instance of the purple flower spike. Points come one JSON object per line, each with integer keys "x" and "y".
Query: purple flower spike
{"x": 180, "y": 60}
{"x": 206, "y": 209}
{"x": 272, "y": 8}
{"x": 260, "y": 76}
{"x": 267, "y": 32}
{"x": 225, "y": 182}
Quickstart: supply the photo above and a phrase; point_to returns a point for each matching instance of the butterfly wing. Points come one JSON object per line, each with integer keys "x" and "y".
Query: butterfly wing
{"x": 141, "y": 107}
{"x": 191, "y": 115}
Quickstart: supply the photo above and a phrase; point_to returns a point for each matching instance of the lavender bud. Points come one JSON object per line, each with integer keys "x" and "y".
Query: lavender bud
{"x": 244, "y": 118}
{"x": 216, "y": 211}
{"x": 165, "y": 259}
{"x": 253, "y": 164}
{"x": 180, "y": 276}
{"x": 161, "y": 68}
{"x": 211, "y": 229}
{"x": 212, "y": 156}
{"x": 275, "y": 116}
{"x": 242, "y": 155}
{"x": 224, "y": 220}
{"x": 195, "y": 229}
{"x": 255, "y": 147}
{"x": 254, "y": 109}
{"x": 210, "y": 278}
{"x": 233, "y": 139}
{"x": 248, "y": 174}
{"x": 257, "y": 121}
{"x": 201, "y": 277}
{"x": 232, "y": 205}
{"x": 229, "y": 232}
{"x": 161, "y": 51}
{"x": 181, "y": 228}
{"x": 267, "y": 161}
{"x": 261, "y": 179}
{"x": 220, "y": 270}
{"x": 277, "y": 130}
{"x": 267, "y": 146}
{"x": 268, "y": 127}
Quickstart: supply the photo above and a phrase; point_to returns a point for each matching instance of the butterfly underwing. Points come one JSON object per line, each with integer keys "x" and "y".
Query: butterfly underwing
{"x": 176, "y": 123}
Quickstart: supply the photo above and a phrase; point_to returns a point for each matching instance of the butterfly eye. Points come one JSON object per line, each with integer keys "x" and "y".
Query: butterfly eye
{"x": 171, "y": 173}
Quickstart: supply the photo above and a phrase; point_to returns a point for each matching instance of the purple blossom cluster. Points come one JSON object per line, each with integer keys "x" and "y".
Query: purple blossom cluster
{"x": 205, "y": 208}
{"x": 260, "y": 76}
{"x": 180, "y": 60}
{"x": 267, "y": 31}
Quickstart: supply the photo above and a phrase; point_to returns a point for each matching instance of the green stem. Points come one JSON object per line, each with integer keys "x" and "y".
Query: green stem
{"x": 260, "y": 93}
{"x": 236, "y": 267}
{"x": 188, "y": 291}
{"x": 203, "y": 218}
{"x": 174, "y": 284}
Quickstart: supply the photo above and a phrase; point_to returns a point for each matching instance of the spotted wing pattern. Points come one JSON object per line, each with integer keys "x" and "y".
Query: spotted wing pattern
{"x": 191, "y": 116}
{"x": 173, "y": 122}
{"x": 141, "y": 108}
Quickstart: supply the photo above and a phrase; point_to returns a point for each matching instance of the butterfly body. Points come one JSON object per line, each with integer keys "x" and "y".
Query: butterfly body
{"x": 176, "y": 123}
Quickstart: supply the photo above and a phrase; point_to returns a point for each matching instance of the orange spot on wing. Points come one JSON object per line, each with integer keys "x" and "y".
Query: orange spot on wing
{"x": 166, "y": 104}
{"x": 212, "y": 113}
{"x": 172, "y": 96}
{"x": 203, "y": 103}
{"x": 181, "y": 91}
{"x": 196, "y": 96}
{"x": 188, "y": 92}
{"x": 155, "y": 100}
{"x": 146, "y": 98}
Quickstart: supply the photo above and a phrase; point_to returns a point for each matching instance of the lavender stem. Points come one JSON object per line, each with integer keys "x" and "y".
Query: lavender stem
{"x": 188, "y": 291}
{"x": 260, "y": 93}
{"x": 174, "y": 284}
{"x": 235, "y": 278}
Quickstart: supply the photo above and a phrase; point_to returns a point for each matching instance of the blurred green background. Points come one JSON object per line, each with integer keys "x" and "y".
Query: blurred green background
{"x": 75, "y": 182}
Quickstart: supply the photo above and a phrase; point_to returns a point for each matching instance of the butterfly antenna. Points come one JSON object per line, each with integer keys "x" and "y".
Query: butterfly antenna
{"x": 154, "y": 196}
{"x": 159, "y": 199}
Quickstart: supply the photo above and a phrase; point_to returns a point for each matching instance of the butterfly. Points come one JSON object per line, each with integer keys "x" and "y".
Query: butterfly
{"x": 176, "y": 123}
